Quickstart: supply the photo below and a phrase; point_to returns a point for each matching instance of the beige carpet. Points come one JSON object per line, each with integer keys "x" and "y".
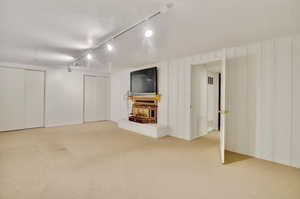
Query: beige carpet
{"x": 100, "y": 161}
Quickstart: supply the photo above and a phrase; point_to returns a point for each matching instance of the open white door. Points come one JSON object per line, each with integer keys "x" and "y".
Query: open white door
{"x": 223, "y": 110}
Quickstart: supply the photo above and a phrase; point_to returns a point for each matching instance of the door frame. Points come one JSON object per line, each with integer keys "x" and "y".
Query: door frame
{"x": 222, "y": 59}
{"x": 83, "y": 96}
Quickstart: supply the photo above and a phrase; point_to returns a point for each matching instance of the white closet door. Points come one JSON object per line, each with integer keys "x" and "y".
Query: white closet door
{"x": 101, "y": 98}
{"x": 11, "y": 99}
{"x": 34, "y": 98}
{"x": 95, "y": 98}
{"x": 89, "y": 98}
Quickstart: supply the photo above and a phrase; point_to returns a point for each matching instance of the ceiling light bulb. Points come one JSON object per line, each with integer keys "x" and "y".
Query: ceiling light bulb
{"x": 148, "y": 33}
{"x": 89, "y": 56}
{"x": 109, "y": 47}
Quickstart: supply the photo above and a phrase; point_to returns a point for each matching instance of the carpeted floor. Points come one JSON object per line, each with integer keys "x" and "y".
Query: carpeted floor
{"x": 99, "y": 160}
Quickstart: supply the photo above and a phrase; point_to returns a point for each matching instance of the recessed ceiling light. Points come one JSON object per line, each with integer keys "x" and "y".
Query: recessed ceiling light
{"x": 89, "y": 56}
{"x": 148, "y": 33}
{"x": 109, "y": 47}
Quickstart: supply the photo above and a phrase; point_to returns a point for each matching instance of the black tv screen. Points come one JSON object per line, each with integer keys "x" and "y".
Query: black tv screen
{"x": 144, "y": 81}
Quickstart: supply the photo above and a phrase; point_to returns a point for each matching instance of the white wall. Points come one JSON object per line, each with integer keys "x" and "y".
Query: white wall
{"x": 263, "y": 98}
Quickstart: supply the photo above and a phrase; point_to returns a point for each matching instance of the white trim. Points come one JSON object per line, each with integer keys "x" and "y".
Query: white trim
{"x": 83, "y": 98}
{"x": 207, "y": 61}
{"x": 22, "y": 66}
{"x": 45, "y": 98}
{"x": 105, "y": 75}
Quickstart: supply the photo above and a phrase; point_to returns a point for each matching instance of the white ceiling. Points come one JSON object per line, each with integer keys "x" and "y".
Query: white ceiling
{"x": 51, "y": 32}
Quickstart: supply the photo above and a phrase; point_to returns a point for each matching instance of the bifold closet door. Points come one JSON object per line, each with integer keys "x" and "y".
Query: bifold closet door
{"x": 95, "y": 98}
{"x": 34, "y": 98}
{"x": 12, "y": 92}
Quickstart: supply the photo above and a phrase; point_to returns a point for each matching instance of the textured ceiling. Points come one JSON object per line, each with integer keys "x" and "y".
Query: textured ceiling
{"x": 51, "y": 32}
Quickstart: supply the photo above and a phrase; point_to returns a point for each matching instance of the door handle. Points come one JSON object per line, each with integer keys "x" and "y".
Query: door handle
{"x": 223, "y": 111}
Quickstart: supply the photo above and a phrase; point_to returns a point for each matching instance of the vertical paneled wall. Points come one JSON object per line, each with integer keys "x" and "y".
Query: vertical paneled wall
{"x": 179, "y": 98}
{"x": 263, "y": 90}
{"x": 295, "y": 137}
{"x": 237, "y": 92}
{"x": 283, "y": 101}
{"x": 263, "y": 98}
{"x": 253, "y": 65}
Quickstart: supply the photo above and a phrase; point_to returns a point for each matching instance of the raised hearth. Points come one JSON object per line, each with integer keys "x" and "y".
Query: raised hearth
{"x": 151, "y": 130}
{"x": 143, "y": 117}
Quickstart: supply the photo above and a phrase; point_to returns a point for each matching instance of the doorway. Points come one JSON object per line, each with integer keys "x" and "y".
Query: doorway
{"x": 208, "y": 100}
{"x": 206, "y": 97}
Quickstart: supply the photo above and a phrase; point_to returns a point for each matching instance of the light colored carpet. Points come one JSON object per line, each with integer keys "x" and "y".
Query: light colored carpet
{"x": 99, "y": 160}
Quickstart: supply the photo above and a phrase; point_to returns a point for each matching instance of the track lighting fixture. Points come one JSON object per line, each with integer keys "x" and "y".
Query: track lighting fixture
{"x": 148, "y": 33}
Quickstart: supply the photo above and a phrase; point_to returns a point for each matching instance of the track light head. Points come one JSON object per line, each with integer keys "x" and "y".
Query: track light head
{"x": 89, "y": 56}
{"x": 109, "y": 47}
{"x": 148, "y": 33}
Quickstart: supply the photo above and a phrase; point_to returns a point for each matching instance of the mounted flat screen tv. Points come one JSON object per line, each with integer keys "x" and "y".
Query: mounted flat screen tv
{"x": 144, "y": 81}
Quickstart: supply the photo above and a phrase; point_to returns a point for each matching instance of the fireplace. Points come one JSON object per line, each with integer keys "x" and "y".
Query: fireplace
{"x": 144, "y": 109}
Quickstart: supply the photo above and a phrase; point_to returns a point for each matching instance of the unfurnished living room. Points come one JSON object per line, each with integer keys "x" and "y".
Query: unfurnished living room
{"x": 156, "y": 99}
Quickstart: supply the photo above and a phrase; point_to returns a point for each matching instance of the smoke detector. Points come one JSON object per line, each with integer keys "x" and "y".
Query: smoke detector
{"x": 166, "y": 7}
